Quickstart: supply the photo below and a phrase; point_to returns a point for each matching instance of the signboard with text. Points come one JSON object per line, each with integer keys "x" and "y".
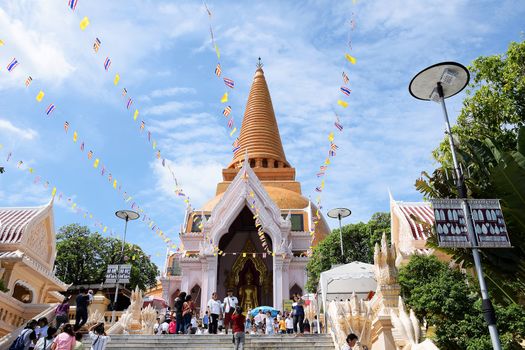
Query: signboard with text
{"x": 450, "y": 223}
{"x": 489, "y": 226}
{"x": 124, "y": 272}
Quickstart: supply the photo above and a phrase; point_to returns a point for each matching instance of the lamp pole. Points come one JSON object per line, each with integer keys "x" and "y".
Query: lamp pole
{"x": 437, "y": 83}
{"x": 340, "y": 213}
{"x": 126, "y": 215}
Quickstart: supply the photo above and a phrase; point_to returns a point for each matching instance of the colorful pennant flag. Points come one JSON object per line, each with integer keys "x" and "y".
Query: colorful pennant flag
{"x": 338, "y": 125}
{"x": 96, "y": 45}
{"x": 82, "y": 146}
{"x": 229, "y": 83}
{"x": 12, "y": 65}
{"x": 124, "y": 92}
{"x": 50, "y": 109}
{"x": 345, "y": 78}
{"x": 227, "y": 111}
{"x": 350, "y": 59}
{"x": 142, "y": 125}
{"x": 107, "y": 63}
{"x": 116, "y": 79}
{"x": 217, "y": 51}
{"x": 130, "y": 102}
{"x": 224, "y": 98}
{"x": 90, "y": 155}
{"x": 84, "y": 23}
{"x": 66, "y": 126}
{"x": 236, "y": 145}
{"x": 72, "y": 4}
{"x": 342, "y": 103}
{"x": 218, "y": 70}
{"x": 40, "y": 96}
{"x": 28, "y": 81}
{"x": 345, "y": 90}
{"x": 230, "y": 123}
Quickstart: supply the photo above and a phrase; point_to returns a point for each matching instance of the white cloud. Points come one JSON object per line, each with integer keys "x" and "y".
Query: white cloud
{"x": 169, "y": 107}
{"x": 7, "y": 127}
{"x": 172, "y": 91}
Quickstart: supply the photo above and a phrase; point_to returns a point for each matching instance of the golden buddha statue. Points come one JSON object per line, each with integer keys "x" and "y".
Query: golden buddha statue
{"x": 248, "y": 293}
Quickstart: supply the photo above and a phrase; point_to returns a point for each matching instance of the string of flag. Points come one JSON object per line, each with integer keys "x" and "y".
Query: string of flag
{"x": 129, "y": 103}
{"x": 229, "y": 83}
{"x": 332, "y": 146}
{"x": 55, "y": 193}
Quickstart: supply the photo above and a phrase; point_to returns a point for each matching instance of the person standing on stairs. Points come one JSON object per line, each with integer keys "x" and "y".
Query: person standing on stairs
{"x": 230, "y": 302}
{"x": 238, "y": 322}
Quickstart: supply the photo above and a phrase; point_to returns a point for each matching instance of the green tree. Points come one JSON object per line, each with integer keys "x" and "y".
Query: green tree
{"x": 83, "y": 257}
{"x": 358, "y": 245}
{"x": 447, "y": 299}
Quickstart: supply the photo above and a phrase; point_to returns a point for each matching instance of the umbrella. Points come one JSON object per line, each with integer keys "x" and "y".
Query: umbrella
{"x": 264, "y": 309}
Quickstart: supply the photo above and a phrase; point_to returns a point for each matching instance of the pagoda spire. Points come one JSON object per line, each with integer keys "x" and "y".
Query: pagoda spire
{"x": 259, "y": 131}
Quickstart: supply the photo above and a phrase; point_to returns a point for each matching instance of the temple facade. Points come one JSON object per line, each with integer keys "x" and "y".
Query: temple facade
{"x": 254, "y": 235}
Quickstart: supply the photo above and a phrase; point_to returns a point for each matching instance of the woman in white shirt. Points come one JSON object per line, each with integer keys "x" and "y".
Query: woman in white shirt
{"x": 46, "y": 340}
{"x": 99, "y": 337}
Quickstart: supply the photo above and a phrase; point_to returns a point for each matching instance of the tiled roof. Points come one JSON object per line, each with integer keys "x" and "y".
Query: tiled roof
{"x": 13, "y": 221}
{"x": 420, "y": 217}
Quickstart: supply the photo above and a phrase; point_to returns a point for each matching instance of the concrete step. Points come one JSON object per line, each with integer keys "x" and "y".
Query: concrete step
{"x": 218, "y": 342}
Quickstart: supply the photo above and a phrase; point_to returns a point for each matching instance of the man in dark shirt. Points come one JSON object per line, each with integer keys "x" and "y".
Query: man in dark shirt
{"x": 82, "y": 301}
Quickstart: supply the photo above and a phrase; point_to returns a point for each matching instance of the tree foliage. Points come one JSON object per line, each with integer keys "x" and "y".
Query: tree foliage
{"x": 83, "y": 257}
{"x": 490, "y": 136}
{"x": 448, "y": 300}
{"x": 358, "y": 245}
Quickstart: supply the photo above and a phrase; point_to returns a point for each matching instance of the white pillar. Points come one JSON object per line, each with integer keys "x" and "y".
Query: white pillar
{"x": 209, "y": 279}
{"x": 278, "y": 282}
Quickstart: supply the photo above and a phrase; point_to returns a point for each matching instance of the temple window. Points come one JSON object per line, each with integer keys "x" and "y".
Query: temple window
{"x": 265, "y": 163}
{"x": 275, "y": 164}
{"x": 196, "y": 222}
{"x": 295, "y": 290}
{"x": 252, "y": 163}
{"x": 22, "y": 293}
{"x": 297, "y": 221}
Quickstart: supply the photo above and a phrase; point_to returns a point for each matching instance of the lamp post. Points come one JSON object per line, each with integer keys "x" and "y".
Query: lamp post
{"x": 339, "y": 213}
{"x": 436, "y": 83}
{"x": 126, "y": 215}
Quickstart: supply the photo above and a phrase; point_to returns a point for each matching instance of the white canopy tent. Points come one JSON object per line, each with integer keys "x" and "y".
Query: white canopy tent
{"x": 341, "y": 281}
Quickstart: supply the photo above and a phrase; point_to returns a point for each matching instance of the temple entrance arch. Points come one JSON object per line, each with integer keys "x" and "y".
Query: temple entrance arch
{"x": 23, "y": 292}
{"x": 245, "y": 267}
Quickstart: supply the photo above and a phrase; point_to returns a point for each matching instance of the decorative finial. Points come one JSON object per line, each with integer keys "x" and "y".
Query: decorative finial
{"x": 259, "y": 64}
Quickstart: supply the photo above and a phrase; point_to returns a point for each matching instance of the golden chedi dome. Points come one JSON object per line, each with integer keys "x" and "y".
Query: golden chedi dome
{"x": 260, "y": 139}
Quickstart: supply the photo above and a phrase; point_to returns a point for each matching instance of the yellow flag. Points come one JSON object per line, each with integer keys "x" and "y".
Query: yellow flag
{"x": 154, "y": 144}
{"x": 233, "y": 131}
{"x": 327, "y": 161}
{"x": 84, "y": 23}
{"x": 91, "y": 216}
{"x": 95, "y": 163}
{"x": 117, "y": 79}
{"x": 322, "y": 186}
{"x": 74, "y": 205}
{"x": 217, "y": 52}
{"x": 342, "y": 103}
{"x": 40, "y": 96}
{"x": 350, "y": 59}
{"x": 31, "y": 170}
{"x": 75, "y": 136}
{"x": 331, "y": 137}
{"x": 105, "y": 229}
{"x": 1, "y": 43}
{"x": 115, "y": 184}
{"x": 136, "y": 114}
{"x": 224, "y": 98}
{"x": 54, "y": 192}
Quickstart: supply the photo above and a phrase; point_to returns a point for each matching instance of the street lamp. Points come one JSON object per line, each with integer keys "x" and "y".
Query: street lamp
{"x": 340, "y": 213}
{"x": 436, "y": 83}
{"x": 126, "y": 215}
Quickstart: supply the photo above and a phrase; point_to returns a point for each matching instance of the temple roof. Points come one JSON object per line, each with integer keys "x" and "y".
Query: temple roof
{"x": 418, "y": 216}
{"x": 259, "y": 131}
{"x": 13, "y": 222}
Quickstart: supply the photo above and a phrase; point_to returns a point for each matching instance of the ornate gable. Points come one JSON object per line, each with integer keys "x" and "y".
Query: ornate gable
{"x": 245, "y": 189}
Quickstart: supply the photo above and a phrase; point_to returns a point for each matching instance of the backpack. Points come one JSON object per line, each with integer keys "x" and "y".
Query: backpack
{"x": 19, "y": 343}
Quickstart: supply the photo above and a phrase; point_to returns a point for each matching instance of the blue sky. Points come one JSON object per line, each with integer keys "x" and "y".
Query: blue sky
{"x": 162, "y": 51}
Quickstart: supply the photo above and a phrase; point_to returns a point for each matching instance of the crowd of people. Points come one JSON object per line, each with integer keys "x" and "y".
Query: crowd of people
{"x": 38, "y": 335}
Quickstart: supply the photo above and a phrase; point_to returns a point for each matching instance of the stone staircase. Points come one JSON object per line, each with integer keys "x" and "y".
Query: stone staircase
{"x": 218, "y": 342}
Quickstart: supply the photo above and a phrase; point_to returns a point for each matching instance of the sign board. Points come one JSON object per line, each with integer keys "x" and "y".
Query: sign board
{"x": 451, "y": 225}
{"x": 287, "y": 305}
{"x": 123, "y": 273}
{"x": 489, "y": 226}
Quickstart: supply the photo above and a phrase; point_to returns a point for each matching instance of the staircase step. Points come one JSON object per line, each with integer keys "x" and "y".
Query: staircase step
{"x": 217, "y": 342}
